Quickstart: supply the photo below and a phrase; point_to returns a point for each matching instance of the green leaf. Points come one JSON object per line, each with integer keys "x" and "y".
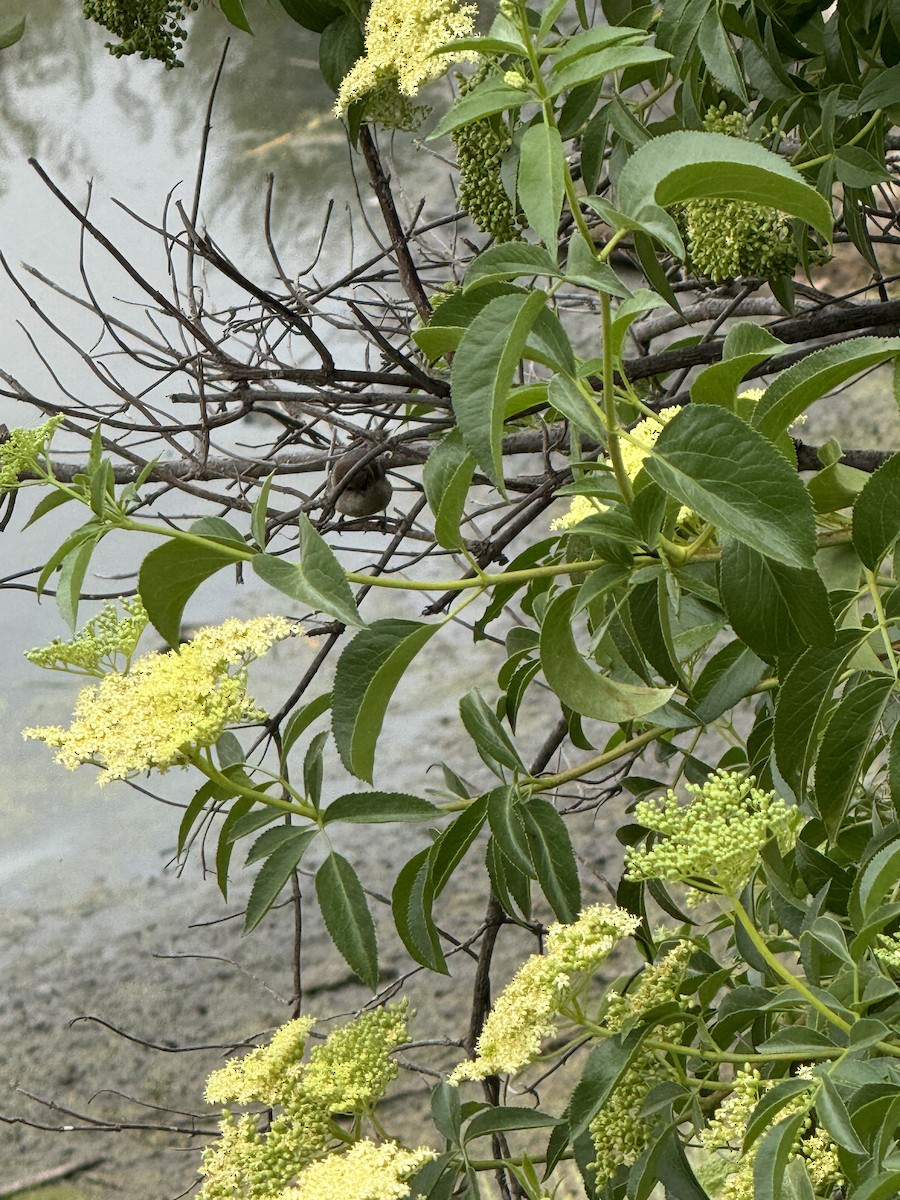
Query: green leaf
{"x": 788, "y": 396}
{"x": 894, "y": 768}
{"x": 379, "y": 808}
{"x": 876, "y": 514}
{"x": 317, "y": 580}
{"x": 643, "y": 300}
{"x": 770, "y": 1103}
{"x": 11, "y": 31}
{"x": 225, "y": 846}
{"x": 447, "y": 477}
{"x": 541, "y": 180}
{"x": 718, "y": 54}
{"x": 840, "y": 762}
{"x": 508, "y": 827}
{"x": 276, "y": 871}
{"x": 300, "y": 720}
{"x": 341, "y": 44}
{"x": 510, "y": 260}
{"x": 314, "y": 769}
{"x": 604, "y": 62}
{"x": 832, "y": 1112}
{"x": 312, "y": 14}
{"x": 577, "y": 684}
{"x": 47, "y": 504}
{"x": 411, "y": 903}
{"x": 878, "y": 878}
{"x": 880, "y": 91}
{"x": 750, "y": 492}
{"x": 687, "y": 165}
{"x": 585, "y": 269}
{"x": 605, "y": 1066}
{"x": 259, "y": 512}
{"x": 718, "y": 383}
{"x": 208, "y": 791}
{"x": 481, "y": 376}
{"x": 771, "y": 1159}
{"x": 495, "y": 1120}
{"x": 553, "y": 857}
{"x": 235, "y": 15}
{"x": 883, "y": 1186}
{"x": 367, "y": 673}
{"x": 453, "y": 843}
{"x": 729, "y": 677}
{"x": 667, "y": 1164}
{"x": 347, "y": 917}
{"x": 567, "y": 398}
{"x": 773, "y": 608}
{"x": 858, "y": 168}
{"x": 480, "y": 102}
{"x": 490, "y": 738}
{"x": 71, "y": 578}
{"x": 804, "y": 705}
{"x": 170, "y": 575}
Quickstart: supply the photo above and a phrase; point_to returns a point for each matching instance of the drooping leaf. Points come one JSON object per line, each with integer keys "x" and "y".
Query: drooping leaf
{"x": 367, "y": 673}
{"x": 876, "y": 514}
{"x": 688, "y": 165}
{"x": 377, "y": 808}
{"x": 577, "y": 684}
{"x": 447, "y": 477}
{"x": 553, "y": 857}
{"x": 847, "y": 738}
{"x": 233, "y": 11}
{"x": 482, "y": 101}
{"x": 347, "y": 917}
{"x": 482, "y": 373}
{"x": 170, "y": 575}
{"x": 788, "y": 396}
{"x": 411, "y": 903}
{"x": 318, "y": 579}
{"x": 276, "y": 871}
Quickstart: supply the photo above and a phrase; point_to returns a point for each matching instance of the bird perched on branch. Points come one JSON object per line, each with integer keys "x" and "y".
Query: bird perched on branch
{"x": 360, "y": 488}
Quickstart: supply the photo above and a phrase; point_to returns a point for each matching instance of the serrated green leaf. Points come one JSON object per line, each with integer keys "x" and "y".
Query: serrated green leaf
{"x": 483, "y": 101}
{"x": 72, "y": 571}
{"x": 482, "y": 372}
{"x": 276, "y": 871}
{"x": 411, "y": 902}
{"x": 876, "y": 514}
{"x": 259, "y": 511}
{"x": 367, "y": 673}
{"x": 510, "y": 260}
{"x": 788, "y": 396}
{"x": 688, "y": 165}
{"x": 567, "y": 398}
{"x": 847, "y": 738}
{"x": 577, "y": 684}
{"x": 318, "y": 579}
{"x": 541, "y": 180}
{"x": 804, "y": 704}
{"x": 379, "y": 808}
{"x": 715, "y": 464}
{"x": 508, "y": 828}
{"x": 495, "y": 1120}
{"x": 447, "y": 477}
{"x": 300, "y": 720}
{"x": 771, "y": 1159}
{"x": 772, "y": 607}
{"x": 347, "y": 917}
{"x": 553, "y": 857}
{"x": 604, "y": 62}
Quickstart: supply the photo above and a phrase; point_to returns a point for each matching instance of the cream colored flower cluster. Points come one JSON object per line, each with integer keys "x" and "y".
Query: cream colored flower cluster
{"x": 166, "y": 705}
{"x": 106, "y": 637}
{"x": 619, "y": 1131}
{"x": 364, "y": 1172}
{"x": 714, "y": 842}
{"x": 294, "y": 1157}
{"x": 22, "y": 451}
{"x": 525, "y": 1012}
{"x": 887, "y": 949}
{"x": 725, "y": 1133}
{"x": 641, "y": 440}
{"x": 401, "y": 37}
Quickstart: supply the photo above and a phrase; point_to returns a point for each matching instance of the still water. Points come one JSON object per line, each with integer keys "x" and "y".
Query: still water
{"x": 134, "y": 130}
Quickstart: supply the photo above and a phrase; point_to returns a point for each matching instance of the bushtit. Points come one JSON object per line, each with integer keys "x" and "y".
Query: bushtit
{"x": 367, "y": 490}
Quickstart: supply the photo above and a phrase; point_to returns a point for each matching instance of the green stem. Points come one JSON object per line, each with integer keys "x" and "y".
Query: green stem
{"x": 857, "y": 137}
{"x": 872, "y": 583}
{"x": 614, "y": 447}
{"x": 205, "y": 765}
{"x": 546, "y": 783}
{"x": 782, "y": 971}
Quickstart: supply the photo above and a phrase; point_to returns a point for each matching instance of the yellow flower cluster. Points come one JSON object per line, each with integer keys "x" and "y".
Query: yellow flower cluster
{"x": 887, "y": 950}
{"x": 714, "y": 842}
{"x": 167, "y": 705}
{"x": 640, "y": 441}
{"x": 364, "y": 1172}
{"x": 347, "y": 1074}
{"x": 619, "y": 1131}
{"x": 22, "y": 451}
{"x": 401, "y": 38}
{"x": 266, "y": 1073}
{"x": 525, "y": 1012}
{"x": 104, "y": 638}
{"x": 726, "y": 1132}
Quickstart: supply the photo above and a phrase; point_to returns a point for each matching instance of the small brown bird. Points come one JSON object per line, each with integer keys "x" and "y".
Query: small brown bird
{"x": 367, "y": 489}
